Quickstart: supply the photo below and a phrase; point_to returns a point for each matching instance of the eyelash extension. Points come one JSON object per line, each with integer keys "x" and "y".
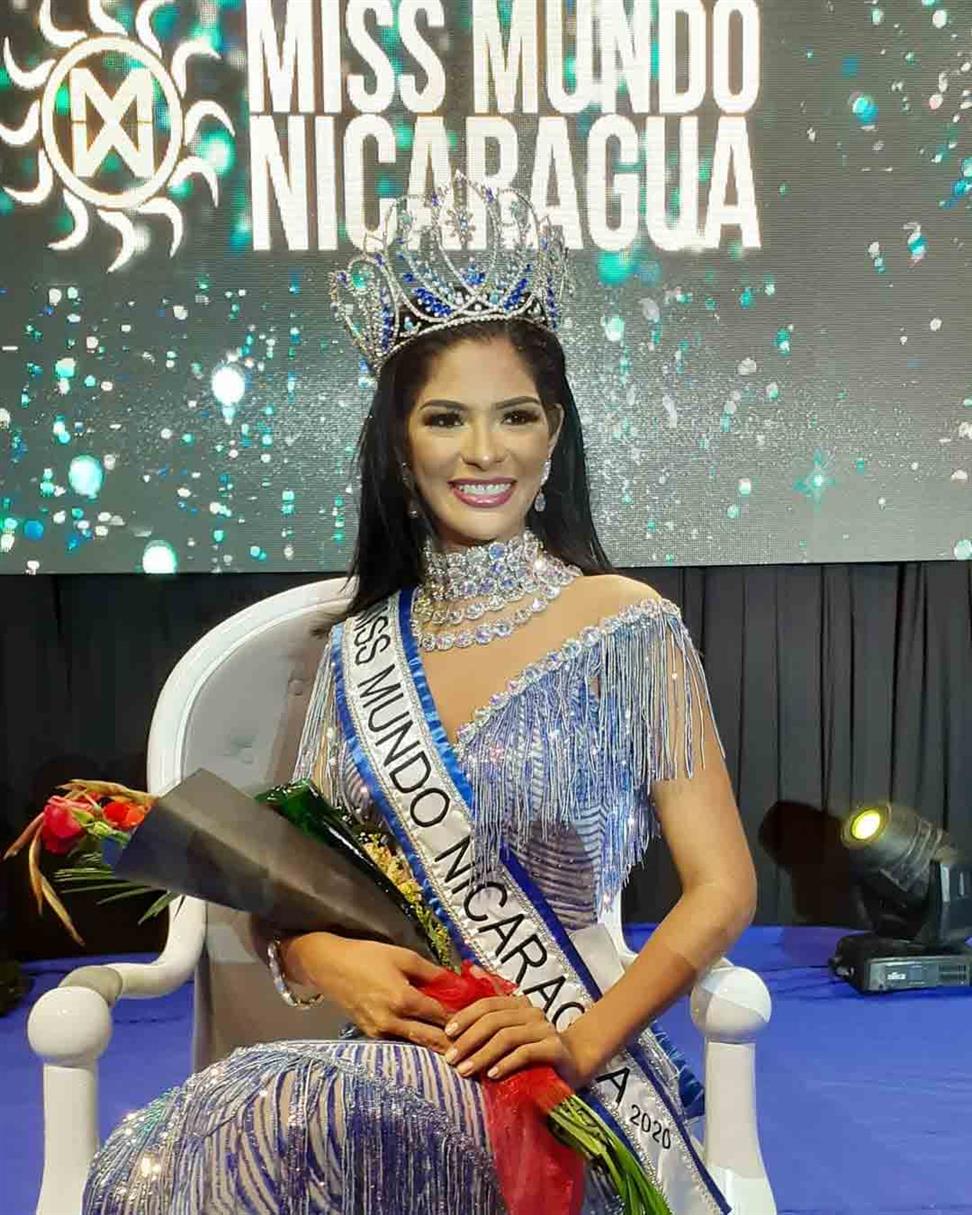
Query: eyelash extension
{"x": 445, "y": 421}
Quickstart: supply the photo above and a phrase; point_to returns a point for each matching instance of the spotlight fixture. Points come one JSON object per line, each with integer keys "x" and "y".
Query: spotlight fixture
{"x": 914, "y": 889}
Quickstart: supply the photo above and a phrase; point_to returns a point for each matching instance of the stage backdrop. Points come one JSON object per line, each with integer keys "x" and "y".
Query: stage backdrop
{"x": 768, "y": 206}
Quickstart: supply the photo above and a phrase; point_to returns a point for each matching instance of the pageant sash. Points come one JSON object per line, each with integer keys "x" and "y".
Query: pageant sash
{"x": 501, "y": 921}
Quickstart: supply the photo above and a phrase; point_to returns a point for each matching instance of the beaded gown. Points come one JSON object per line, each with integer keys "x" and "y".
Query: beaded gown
{"x": 561, "y": 765}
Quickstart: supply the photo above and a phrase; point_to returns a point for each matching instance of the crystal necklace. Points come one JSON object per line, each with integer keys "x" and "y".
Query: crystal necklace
{"x": 466, "y": 585}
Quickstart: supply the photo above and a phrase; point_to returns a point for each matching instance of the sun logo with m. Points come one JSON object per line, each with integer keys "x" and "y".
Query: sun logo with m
{"x": 111, "y": 125}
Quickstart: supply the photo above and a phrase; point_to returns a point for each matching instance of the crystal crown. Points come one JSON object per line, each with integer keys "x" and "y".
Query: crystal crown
{"x": 462, "y": 254}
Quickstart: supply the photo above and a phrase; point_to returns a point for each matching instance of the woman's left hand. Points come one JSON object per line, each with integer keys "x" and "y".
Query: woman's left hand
{"x": 503, "y": 1034}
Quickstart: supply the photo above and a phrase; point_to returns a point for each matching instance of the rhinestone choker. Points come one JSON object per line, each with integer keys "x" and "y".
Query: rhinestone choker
{"x": 466, "y": 585}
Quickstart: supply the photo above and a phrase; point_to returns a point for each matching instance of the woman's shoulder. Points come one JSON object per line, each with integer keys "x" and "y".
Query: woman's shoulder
{"x": 603, "y": 595}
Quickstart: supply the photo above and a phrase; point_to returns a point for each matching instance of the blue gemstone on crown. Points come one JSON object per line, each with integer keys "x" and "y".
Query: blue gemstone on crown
{"x": 427, "y": 300}
{"x": 516, "y": 295}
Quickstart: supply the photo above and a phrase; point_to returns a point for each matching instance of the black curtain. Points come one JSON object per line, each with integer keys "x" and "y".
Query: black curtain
{"x": 831, "y": 685}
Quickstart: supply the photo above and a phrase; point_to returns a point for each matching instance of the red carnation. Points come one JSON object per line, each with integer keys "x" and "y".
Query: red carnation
{"x": 126, "y": 816}
{"x": 60, "y": 830}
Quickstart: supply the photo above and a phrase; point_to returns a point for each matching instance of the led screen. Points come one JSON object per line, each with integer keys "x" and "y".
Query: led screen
{"x": 767, "y": 206}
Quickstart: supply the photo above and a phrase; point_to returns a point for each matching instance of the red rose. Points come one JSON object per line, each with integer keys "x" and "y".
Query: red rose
{"x": 60, "y": 830}
{"x": 126, "y": 816}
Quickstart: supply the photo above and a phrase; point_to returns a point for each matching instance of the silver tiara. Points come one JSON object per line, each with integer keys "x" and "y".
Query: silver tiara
{"x": 466, "y": 253}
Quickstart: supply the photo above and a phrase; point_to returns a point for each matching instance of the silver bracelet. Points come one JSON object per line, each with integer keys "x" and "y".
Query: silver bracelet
{"x": 280, "y": 983}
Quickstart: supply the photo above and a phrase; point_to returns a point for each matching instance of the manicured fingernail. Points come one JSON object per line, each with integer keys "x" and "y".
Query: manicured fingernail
{"x": 450, "y": 1055}
{"x": 464, "y": 1068}
{"x": 493, "y": 1073}
{"x": 451, "y": 1028}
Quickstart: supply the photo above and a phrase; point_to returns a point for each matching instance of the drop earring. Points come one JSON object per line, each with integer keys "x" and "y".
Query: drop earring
{"x": 540, "y": 501}
{"x": 409, "y": 482}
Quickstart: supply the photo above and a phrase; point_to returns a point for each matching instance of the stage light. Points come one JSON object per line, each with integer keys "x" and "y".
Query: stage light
{"x": 865, "y": 824}
{"x": 914, "y": 888}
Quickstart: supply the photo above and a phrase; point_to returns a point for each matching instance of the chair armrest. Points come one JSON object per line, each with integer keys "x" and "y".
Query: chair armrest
{"x": 730, "y": 1003}
{"x": 69, "y": 1028}
{"x": 730, "y": 1007}
{"x": 177, "y": 961}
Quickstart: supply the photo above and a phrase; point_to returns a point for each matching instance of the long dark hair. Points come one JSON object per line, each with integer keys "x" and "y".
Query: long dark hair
{"x": 388, "y": 553}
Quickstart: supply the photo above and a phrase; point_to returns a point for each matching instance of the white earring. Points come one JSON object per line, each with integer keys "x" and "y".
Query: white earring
{"x": 540, "y": 501}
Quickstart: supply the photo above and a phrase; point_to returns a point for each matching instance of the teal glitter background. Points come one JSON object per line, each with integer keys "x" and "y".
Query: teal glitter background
{"x": 807, "y": 401}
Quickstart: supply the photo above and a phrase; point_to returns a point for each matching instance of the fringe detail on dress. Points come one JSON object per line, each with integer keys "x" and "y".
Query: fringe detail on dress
{"x": 324, "y": 755}
{"x": 568, "y": 752}
{"x": 302, "y": 1129}
{"x": 577, "y": 739}
{"x": 402, "y": 1155}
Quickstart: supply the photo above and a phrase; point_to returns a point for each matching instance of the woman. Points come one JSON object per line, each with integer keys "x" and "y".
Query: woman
{"x": 522, "y": 721}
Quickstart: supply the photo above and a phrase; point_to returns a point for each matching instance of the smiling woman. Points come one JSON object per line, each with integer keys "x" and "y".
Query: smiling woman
{"x": 518, "y": 733}
{"x": 463, "y": 410}
{"x": 478, "y": 457}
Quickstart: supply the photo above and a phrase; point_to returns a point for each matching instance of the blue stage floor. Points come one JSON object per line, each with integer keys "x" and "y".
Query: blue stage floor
{"x": 865, "y": 1103}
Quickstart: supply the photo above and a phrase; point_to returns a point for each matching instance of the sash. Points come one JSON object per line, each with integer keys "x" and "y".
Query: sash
{"x": 501, "y": 921}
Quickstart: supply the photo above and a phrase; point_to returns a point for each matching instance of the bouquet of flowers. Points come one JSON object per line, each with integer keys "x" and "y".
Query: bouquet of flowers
{"x": 75, "y": 824}
{"x": 206, "y": 839}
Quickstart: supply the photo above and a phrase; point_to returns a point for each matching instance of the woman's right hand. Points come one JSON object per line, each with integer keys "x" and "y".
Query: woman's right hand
{"x": 373, "y": 983}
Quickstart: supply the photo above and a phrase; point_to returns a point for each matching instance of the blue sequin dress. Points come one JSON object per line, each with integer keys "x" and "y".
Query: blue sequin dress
{"x": 561, "y": 765}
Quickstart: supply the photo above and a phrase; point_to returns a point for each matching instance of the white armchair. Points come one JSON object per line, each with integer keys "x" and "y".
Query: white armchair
{"x": 235, "y": 704}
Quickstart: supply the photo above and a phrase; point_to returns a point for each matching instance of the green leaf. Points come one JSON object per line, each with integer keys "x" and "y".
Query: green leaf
{"x": 90, "y": 885}
{"x": 160, "y": 904}
{"x": 579, "y": 1126}
{"x": 135, "y": 893}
